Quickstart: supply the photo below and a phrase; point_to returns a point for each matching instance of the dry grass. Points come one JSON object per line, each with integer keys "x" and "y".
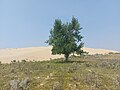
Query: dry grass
{"x": 92, "y": 72}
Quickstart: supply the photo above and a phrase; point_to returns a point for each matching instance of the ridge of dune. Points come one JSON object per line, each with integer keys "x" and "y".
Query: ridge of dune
{"x": 98, "y": 51}
{"x": 38, "y": 53}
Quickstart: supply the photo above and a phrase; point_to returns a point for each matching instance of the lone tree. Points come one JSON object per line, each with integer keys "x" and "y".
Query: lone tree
{"x": 66, "y": 38}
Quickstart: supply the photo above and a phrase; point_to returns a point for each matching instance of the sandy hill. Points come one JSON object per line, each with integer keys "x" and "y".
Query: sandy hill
{"x": 37, "y": 53}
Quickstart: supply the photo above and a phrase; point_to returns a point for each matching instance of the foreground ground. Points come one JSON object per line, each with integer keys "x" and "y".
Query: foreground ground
{"x": 92, "y": 72}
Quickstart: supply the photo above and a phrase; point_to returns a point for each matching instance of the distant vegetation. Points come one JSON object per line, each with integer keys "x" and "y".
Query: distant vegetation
{"x": 66, "y": 38}
{"x": 91, "y": 72}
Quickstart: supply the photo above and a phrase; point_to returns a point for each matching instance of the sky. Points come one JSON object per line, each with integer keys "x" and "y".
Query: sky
{"x": 27, "y": 23}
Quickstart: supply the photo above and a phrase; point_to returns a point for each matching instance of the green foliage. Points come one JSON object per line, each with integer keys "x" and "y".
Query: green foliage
{"x": 66, "y": 38}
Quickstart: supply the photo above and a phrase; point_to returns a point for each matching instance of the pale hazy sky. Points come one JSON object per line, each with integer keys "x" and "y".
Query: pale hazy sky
{"x": 26, "y": 23}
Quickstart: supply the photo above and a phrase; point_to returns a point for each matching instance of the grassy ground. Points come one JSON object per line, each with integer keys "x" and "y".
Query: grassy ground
{"x": 97, "y": 72}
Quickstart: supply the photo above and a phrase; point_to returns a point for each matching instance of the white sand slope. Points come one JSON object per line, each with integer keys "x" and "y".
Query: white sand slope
{"x": 98, "y": 51}
{"x": 37, "y": 53}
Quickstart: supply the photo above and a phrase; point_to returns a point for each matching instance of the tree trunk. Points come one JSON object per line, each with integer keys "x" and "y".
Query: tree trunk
{"x": 66, "y": 57}
{"x": 73, "y": 54}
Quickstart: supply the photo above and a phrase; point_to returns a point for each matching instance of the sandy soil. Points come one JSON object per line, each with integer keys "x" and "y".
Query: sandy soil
{"x": 37, "y": 53}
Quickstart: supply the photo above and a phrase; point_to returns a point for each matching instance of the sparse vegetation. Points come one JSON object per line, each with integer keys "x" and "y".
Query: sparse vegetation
{"x": 92, "y": 72}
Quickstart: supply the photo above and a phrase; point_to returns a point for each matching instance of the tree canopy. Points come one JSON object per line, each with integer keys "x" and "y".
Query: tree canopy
{"x": 66, "y": 38}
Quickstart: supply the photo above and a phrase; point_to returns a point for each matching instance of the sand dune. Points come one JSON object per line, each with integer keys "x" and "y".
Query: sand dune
{"x": 98, "y": 51}
{"x": 37, "y": 53}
